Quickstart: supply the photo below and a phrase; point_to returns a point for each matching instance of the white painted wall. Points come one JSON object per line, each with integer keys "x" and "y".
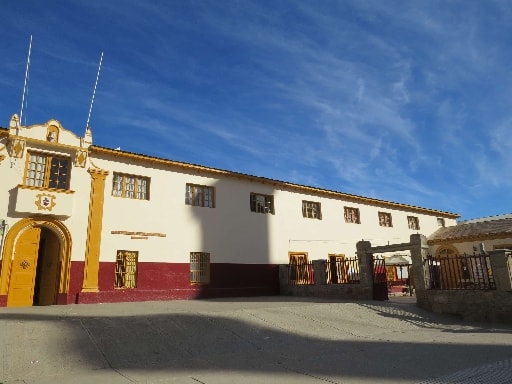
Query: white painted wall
{"x": 230, "y": 231}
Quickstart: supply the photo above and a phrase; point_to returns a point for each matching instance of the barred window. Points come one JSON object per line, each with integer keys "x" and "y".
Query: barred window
{"x": 47, "y": 171}
{"x": 126, "y": 269}
{"x": 385, "y": 219}
{"x": 352, "y": 215}
{"x": 200, "y": 195}
{"x": 413, "y": 222}
{"x": 130, "y": 186}
{"x": 311, "y": 210}
{"x": 199, "y": 268}
{"x": 262, "y": 203}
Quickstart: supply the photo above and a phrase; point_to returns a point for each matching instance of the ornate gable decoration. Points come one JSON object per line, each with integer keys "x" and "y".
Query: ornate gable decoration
{"x": 81, "y": 158}
{"x": 52, "y": 134}
{"x": 17, "y": 148}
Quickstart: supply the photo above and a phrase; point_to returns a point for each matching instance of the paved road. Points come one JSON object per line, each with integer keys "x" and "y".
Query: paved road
{"x": 249, "y": 340}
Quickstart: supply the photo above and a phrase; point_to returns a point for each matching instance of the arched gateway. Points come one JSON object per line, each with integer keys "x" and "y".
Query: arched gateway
{"x": 36, "y": 262}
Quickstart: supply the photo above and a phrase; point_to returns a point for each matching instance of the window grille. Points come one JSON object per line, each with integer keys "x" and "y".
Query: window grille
{"x": 131, "y": 187}
{"x": 413, "y": 222}
{"x": 47, "y": 171}
{"x": 311, "y": 209}
{"x": 262, "y": 203}
{"x": 352, "y": 215}
{"x": 199, "y": 195}
{"x": 385, "y": 219}
{"x": 199, "y": 267}
{"x": 126, "y": 269}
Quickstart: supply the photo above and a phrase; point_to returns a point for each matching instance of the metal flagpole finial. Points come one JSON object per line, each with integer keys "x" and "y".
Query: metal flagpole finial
{"x": 94, "y": 92}
{"x": 26, "y": 80}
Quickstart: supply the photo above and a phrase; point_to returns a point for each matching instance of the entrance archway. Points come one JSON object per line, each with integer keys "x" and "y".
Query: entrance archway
{"x": 36, "y": 262}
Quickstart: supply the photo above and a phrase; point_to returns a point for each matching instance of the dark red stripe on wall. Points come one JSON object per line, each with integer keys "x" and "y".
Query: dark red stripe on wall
{"x": 170, "y": 281}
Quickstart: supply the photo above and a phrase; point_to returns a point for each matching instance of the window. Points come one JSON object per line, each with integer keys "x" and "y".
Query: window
{"x": 262, "y": 203}
{"x": 200, "y": 196}
{"x": 131, "y": 187}
{"x": 126, "y": 269}
{"x": 385, "y": 219}
{"x": 352, "y": 215}
{"x": 300, "y": 270}
{"x": 48, "y": 171}
{"x": 413, "y": 222}
{"x": 199, "y": 268}
{"x": 440, "y": 222}
{"x": 311, "y": 210}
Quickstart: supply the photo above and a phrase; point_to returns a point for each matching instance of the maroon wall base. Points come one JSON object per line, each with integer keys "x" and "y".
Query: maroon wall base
{"x": 166, "y": 281}
{"x": 170, "y": 281}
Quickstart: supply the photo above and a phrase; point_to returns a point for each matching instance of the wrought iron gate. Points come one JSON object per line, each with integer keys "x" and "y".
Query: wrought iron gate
{"x": 380, "y": 283}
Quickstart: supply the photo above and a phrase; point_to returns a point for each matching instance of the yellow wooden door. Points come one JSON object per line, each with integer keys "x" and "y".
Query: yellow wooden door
{"x": 49, "y": 270}
{"x": 23, "y": 270}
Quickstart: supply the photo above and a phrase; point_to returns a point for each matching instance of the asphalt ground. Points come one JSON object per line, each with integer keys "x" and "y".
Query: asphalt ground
{"x": 250, "y": 340}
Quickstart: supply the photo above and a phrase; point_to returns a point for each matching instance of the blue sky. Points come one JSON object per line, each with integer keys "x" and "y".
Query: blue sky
{"x": 407, "y": 101}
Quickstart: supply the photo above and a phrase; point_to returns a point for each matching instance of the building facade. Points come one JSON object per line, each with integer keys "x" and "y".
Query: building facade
{"x": 85, "y": 224}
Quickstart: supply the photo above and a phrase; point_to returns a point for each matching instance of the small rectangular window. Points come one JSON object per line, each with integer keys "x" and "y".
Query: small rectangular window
{"x": 262, "y": 203}
{"x": 440, "y": 222}
{"x": 200, "y": 195}
{"x": 131, "y": 187}
{"x": 199, "y": 268}
{"x": 48, "y": 171}
{"x": 385, "y": 219}
{"x": 352, "y": 215}
{"x": 311, "y": 210}
{"x": 413, "y": 222}
{"x": 126, "y": 269}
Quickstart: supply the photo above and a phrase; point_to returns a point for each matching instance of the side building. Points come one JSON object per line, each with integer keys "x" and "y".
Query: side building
{"x": 81, "y": 223}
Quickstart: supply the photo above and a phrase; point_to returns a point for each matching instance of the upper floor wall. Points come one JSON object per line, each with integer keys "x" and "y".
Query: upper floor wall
{"x": 183, "y": 207}
{"x": 241, "y": 217}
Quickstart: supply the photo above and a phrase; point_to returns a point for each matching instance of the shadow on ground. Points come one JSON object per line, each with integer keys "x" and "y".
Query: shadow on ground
{"x": 332, "y": 341}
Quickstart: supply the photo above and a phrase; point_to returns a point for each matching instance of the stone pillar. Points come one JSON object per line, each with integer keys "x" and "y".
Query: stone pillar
{"x": 420, "y": 273}
{"x": 284, "y": 272}
{"x": 320, "y": 272}
{"x": 364, "y": 257}
{"x": 501, "y": 264}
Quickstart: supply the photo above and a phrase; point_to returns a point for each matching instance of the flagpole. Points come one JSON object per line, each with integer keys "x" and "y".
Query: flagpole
{"x": 26, "y": 80}
{"x": 94, "y": 92}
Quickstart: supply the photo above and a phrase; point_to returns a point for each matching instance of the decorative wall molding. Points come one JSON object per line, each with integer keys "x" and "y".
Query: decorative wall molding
{"x": 17, "y": 148}
{"x": 143, "y": 234}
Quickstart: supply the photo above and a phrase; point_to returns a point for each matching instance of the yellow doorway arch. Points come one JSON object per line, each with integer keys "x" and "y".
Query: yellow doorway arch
{"x": 17, "y": 238}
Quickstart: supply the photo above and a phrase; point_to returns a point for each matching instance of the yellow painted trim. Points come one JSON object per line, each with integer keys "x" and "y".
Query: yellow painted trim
{"x": 46, "y": 144}
{"x": 446, "y": 246}
{"x": 2, "y": 157}
{"x": 43, "y": 189}
{"x": 94, "y": 225}
{"x": 275, "y": 183}
{"x": 15, "y": 232}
